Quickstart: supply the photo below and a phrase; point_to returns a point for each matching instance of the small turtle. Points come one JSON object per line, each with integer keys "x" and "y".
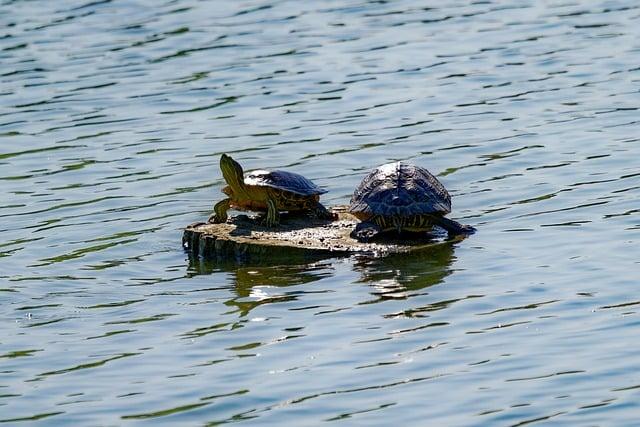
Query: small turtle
{"x": 400, "y": 196}
{"x": 270, "y": 191}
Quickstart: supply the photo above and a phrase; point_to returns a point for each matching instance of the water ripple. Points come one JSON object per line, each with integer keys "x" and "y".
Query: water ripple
{"x": 114, "y": 115}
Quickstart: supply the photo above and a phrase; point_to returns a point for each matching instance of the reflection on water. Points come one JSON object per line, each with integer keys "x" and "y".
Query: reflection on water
{"x": 256, "y": 284}
{"x": 113, "y": 115}
{"x": 394, "y": 276}
{"x": 402, "y": 275}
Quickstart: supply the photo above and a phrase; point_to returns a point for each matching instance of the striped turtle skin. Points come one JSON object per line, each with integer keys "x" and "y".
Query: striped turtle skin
{"x": 267, "y": 191}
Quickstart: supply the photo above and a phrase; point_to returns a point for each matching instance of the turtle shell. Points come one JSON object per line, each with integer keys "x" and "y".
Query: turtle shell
{"x": 282, "y": 180}
{"x": 400, "y": 189}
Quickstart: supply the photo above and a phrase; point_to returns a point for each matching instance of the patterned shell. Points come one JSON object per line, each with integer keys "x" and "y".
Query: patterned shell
{"x": 282, "y": 180}
{"x": 400, "y": 189}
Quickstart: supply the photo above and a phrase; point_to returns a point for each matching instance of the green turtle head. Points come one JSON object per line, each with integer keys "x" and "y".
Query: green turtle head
{"x": 232, "y": 173}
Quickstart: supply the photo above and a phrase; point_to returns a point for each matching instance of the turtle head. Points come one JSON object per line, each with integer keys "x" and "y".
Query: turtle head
{"x": 233, "y": 174}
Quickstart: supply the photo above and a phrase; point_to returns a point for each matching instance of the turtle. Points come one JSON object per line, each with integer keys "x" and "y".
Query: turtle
{"x": 271, "y": 191}
{"x": 401, "y": 196}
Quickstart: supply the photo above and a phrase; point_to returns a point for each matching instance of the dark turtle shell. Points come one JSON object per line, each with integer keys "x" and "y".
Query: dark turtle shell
{"x": 400, "y": 189}
{"x": 282, "y": 180}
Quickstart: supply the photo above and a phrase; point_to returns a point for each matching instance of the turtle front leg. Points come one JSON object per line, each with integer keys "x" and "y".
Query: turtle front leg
{"x": 220, "y": 212}
{"x": 365, "y": 231}
{"x": 273, "y": 217}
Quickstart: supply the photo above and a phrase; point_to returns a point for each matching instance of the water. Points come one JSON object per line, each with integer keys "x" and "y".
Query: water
{"x": 113, "y": 115}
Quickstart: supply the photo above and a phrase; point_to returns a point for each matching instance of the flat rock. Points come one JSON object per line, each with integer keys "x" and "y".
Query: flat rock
{"x": 298, "y": 238}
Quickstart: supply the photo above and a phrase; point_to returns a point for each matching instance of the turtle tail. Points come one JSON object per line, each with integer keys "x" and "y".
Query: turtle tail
{"x": 453, "y": 227}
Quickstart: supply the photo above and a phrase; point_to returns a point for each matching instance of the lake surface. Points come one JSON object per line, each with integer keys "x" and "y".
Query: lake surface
{"x": 113, "y": 115}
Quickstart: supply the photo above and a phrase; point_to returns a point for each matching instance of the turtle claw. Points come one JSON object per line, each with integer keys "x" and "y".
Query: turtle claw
{"x": 320, "y": 212}
{"x": 467, "y": 229}
{"x": 215, "y": 219}
{"x": 365, "y": 232}
{"x": 220, "y": 209}
{"x": 362, "y": 235}
{"x": 454, "y": 228}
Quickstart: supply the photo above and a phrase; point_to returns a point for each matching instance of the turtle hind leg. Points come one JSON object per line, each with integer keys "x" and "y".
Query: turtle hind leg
{"x": 320, "y": 212}
{"x": 273, "y": 217}
{"x": 365, "y": 231}
{"x": 220, "y": 212}
{"x": 453, "y": 227}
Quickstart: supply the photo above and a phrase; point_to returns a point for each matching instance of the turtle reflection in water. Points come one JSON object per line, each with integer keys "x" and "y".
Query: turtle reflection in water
{"x": 401, "y": 197}
{"x": 267, "y": 191}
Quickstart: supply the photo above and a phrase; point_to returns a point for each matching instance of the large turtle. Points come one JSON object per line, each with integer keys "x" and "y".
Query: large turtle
{"x": 400, "y": 196}
{"x": 270, "y": 191}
